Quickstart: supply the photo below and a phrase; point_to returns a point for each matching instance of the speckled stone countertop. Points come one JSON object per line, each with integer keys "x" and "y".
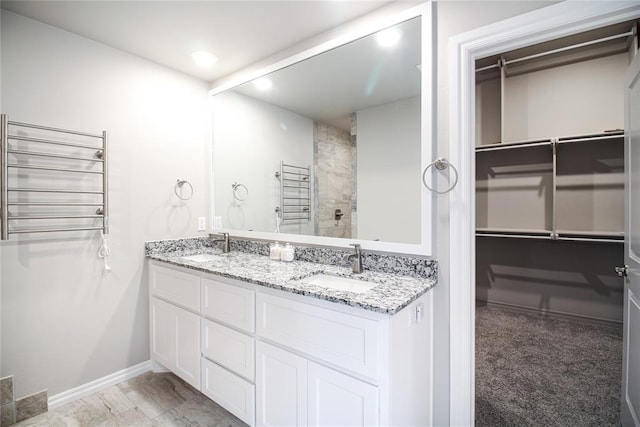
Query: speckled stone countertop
{"x": 393, "y": 292}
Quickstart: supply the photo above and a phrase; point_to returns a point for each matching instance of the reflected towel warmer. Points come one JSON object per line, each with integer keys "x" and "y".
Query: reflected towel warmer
{"x": 67, "y": 142}
{"x": 295, "y": 193}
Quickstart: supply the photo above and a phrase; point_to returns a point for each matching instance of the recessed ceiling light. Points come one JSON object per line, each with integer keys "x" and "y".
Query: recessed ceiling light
{"x": 204, "y": 59}
{"x": 263, "y": 83}
{"x": 388, "y": 37}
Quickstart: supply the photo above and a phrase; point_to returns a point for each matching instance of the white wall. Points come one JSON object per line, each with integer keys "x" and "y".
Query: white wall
{"x": 454, "y": 17}
{"x": 65, "y": 321}
{"x": 389, "y": 186}
{"x": 250, "y": 138}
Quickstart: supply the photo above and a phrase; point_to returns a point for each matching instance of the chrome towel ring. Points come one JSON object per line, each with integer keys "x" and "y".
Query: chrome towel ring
{"x": 240, "y": 192}
{"x": 441, "y": 163}
{"x": 179, "y": 184}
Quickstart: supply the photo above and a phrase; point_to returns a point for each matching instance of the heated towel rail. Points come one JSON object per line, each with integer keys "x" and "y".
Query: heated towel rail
{"x": 51, "y": 180}
{"x": 295, "y": 193}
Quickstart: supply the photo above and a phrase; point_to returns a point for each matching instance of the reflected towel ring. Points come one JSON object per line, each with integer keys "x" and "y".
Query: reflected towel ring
{"x": 440, "y": 163}
{"x": 179, "y": 184}
{"x": 240, "y": 192}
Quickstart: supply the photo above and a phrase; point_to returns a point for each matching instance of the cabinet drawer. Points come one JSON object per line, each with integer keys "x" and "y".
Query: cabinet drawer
{"x": 230, "y": 304}
{"x": 175, "y": 286}
{"x": 231, "y": 349}
{"x": 233, "y": 393}
{"x": 345, "y": 340}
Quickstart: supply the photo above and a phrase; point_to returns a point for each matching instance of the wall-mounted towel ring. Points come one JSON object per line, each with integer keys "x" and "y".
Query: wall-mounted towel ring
{"x": 179, "y": 185}
{"x": 441, "y": 163}
{"x": 240, "y": 192}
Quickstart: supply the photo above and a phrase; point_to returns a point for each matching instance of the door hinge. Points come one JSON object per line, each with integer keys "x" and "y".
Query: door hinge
{"x": 622, "y": 271}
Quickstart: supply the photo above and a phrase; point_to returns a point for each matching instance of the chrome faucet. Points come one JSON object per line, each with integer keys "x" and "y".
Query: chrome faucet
{"x": 356, "y": 257}
{"x": 226, "y": 247}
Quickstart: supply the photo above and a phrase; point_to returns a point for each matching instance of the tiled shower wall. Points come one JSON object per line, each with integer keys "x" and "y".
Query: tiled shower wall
{"x": 13, "y": 411}
{"x": 335, "y": 174}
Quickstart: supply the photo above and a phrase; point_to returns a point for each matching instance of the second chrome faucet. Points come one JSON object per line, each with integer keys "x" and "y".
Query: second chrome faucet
{"x": 226, "y": 247}
{"x": 356, "y": 257}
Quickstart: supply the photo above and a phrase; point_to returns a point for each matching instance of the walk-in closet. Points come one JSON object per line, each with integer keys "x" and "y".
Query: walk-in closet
{"x": 550, "y": 229}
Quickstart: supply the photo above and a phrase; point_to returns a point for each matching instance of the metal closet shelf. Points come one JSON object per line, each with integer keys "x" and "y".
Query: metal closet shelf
{"x": 18, "y": 134}
{"x": 558, "y": 235}
{"x": 604, "y": 136}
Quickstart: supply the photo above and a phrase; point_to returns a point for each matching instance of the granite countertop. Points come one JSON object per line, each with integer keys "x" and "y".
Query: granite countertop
{"x": 393, "y": 293}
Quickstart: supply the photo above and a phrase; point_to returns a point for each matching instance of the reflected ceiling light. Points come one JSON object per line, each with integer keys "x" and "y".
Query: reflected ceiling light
{"x": 263, "y": 83}
{"x": 204, "y": 59}
{"x": 388, "y": 37}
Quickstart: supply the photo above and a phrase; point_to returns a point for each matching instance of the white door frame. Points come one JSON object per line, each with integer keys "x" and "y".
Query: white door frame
{"x": 541, "y": 25}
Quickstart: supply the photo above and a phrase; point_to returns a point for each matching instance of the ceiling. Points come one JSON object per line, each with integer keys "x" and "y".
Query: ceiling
{"x": 239, "y": 33}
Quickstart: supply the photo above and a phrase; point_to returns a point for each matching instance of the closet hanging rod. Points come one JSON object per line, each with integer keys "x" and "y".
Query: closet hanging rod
{"x": 559, "y": 50}
{"x": 52, "y": 141}
{"x": 52, "y": 169}
{"x": 52, "y": 129}
{"x": 49, "y": 190}
{"x": 22, "y": 217}
{"x": 590, "y": 239}
{"x": 600, "y": 138}
{"x": 53, "y": 230}
{"x": 57, "y": 156}
{"x": 510, "y": 146}
{"x": 517, "y": 236}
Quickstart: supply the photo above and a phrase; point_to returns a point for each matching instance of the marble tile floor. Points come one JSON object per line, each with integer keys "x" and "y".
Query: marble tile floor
{"x": 148, "y": 400}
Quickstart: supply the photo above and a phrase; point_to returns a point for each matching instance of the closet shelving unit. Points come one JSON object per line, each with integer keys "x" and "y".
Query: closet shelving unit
{"x": 553, "y": 159}
{"x": 52, "y": 180}
{"x": 613, "y": 138}
{"x": 295, "y": 193}
{"x": 550, "y": 175}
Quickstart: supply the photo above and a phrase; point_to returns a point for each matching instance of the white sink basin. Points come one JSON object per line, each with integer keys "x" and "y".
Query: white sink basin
{"x": 339, "y": 283}
{"x": 201, "y": 258}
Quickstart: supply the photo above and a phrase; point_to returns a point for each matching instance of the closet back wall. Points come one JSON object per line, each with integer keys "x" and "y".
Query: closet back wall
{"x": 65, "y": 321}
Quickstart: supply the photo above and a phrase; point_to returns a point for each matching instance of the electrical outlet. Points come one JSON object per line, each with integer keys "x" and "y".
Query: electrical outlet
{"x": 202, "y": 223}
{"x": 217, "y": 222}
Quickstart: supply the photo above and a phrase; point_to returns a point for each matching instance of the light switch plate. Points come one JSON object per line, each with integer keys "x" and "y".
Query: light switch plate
{"x": 202, "y": 223}
{"x": 217, "y": 222}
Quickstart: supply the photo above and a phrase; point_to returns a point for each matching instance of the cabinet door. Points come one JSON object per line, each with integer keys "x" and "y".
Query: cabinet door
{"x": 281, "y": 387}
{"x": 161, "y": 332}
{"x": 187, "y": 346}
{"x": 336, "y": 399}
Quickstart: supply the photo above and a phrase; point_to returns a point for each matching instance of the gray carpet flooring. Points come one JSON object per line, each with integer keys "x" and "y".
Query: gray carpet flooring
{"x": 539, "y": 371}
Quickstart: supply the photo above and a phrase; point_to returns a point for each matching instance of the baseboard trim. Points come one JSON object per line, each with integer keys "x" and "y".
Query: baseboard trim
{"x": 550, "y": 313}
{"x": 98, "y": 385}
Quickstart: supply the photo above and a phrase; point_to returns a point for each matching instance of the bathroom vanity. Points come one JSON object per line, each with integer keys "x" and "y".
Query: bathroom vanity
{"x": 273, "y": 346}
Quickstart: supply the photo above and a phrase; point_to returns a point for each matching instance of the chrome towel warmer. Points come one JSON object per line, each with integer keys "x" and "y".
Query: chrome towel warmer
{"x": 64, "y": 141}
{"x": 295, "y": 193}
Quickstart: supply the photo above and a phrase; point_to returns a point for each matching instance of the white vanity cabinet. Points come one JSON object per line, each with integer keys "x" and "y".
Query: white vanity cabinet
{"x": 324, "y": 364}
{"x": 291, "y": 390}
{"x": 175, "y": 322}
{"x": 274, "y": 358}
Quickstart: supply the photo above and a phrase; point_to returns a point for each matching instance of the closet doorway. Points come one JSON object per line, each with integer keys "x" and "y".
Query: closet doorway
{"x": 550, "y": 188}
{"x": 553, "y": 22}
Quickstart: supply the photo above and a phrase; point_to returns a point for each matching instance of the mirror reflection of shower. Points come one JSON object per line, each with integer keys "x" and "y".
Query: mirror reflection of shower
{"x": 335, "y": 180}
